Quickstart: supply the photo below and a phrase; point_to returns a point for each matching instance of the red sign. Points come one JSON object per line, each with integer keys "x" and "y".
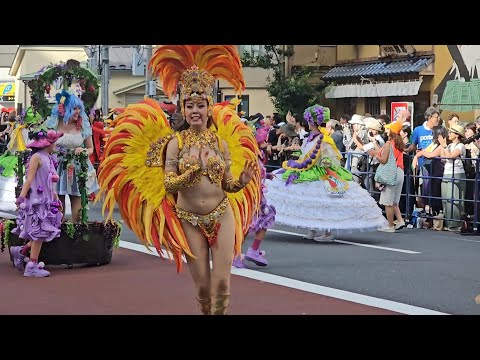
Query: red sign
{"x": 396, "y": 107}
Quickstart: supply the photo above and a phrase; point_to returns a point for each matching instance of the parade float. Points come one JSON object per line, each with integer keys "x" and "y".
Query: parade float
{"x": 85, "y": 242}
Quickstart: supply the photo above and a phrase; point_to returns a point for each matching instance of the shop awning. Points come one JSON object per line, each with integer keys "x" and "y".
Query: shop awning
{"x": 379, "y": 68}
{"x": 403, "y": 88}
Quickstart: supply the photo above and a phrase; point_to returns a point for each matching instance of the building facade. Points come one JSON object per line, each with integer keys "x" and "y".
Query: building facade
{"x": 368, "y": 78}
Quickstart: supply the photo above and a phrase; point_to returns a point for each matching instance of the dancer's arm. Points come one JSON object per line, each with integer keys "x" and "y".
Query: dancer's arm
{"x": 173, "y": 181}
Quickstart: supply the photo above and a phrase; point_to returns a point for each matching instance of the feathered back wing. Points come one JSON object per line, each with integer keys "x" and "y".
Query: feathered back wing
{"x": 141, "y": 134}
{"x": 243, "y": 147}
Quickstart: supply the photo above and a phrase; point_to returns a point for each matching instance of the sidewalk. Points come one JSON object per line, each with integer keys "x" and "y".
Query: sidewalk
{"x": 140, "y": 284}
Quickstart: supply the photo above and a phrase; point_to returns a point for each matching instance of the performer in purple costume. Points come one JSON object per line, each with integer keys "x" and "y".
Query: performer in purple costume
{"x": 265, "y": 218}
{"x": 39, "y": 210}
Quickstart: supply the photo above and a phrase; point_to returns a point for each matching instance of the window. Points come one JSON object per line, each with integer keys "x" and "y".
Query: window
{"x": 253, "y": 50}
{"x": 350, "y": 106}
{"x": 372, "y": 106}
{"x": 244, "y": 104}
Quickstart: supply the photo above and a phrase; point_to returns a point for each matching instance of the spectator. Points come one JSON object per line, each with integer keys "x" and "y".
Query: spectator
{"x": 472, "y": 151}
{"x": 390, "y": 195}
{"x": 384, "y": 119}
{"x": 409, "y": 190}
{"x": 403, "y": 116}
{"x": 434, "y": 166}
{"x": 375, "y": 131}
{"x": 421, "y": 138}
{"x": 358, "y": 162}
{"x": 333, "y": 128}
{"x": 453, "y": 119}
{"x": 453, "y": 169}
{"x": 273, "y": 159}
{"x": 177, "y": 122}
{"x": 288, "y": 142}
{"x": 300, "y": 127}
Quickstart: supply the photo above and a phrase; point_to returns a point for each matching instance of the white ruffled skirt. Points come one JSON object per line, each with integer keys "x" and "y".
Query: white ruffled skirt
{"x": 8, "y": 198}
{"x": 308, "y": 205}
{"x": 7, "y": 193}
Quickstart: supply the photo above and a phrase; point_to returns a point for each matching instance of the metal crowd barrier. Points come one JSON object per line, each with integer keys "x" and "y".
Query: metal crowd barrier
{"x": 408, "y": 196}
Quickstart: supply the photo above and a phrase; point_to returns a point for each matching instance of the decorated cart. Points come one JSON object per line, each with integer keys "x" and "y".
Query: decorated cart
{"x": 85, "y": 242}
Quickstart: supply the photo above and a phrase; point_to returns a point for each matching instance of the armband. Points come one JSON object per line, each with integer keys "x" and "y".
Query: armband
{"x": 174, "y": 182}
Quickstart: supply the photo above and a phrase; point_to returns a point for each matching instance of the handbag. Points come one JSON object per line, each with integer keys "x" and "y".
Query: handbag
{"x": 387, "y": 173}
{"x": 428, "y": 162}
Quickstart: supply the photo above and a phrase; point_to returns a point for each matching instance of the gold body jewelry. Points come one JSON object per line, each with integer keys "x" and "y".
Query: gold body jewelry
{"x": 209, "y": 224}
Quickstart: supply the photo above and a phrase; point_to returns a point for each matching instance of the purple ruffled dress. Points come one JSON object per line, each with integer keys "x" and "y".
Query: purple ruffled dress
{"x": 265, "y": 218}
{"x": 36, "y": 221}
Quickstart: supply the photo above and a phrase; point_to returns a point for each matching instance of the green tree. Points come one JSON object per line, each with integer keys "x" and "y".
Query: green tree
{"x": 288, "y": 93}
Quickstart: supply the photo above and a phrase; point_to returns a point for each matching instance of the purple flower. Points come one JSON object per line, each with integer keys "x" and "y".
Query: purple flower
{"x": 40, "y": 189}
{"x": 40, "y": 133}
{"x": 291, "y": 178}
{"x": 54, "y": 210}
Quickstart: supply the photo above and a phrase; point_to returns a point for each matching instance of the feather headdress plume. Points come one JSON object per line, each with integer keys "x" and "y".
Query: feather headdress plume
{"x": 195, "y": 68}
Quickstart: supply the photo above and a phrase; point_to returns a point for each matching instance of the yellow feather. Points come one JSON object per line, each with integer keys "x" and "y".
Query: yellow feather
{"x": 147, "y": 221}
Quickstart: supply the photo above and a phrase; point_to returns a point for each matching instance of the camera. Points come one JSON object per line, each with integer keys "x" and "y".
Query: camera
{"x": 472, "y": 138}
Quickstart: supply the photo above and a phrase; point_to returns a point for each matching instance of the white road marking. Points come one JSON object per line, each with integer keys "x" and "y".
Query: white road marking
{"x": 350, "y": 243}
{"x": 335, "y": 293}
{"x": 455, "y": 238}
{"x": 308, "y": 287}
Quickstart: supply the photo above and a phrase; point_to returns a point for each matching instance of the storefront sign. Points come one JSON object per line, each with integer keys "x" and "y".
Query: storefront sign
{"x": 7, "y": 89}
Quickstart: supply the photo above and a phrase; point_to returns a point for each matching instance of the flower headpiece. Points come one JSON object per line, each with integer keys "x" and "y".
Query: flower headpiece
{"x": 44, "y": 137}
{"x": 63, "y": 99}
{"x": 316, "y": 113}
{"x": 195, "y": 68}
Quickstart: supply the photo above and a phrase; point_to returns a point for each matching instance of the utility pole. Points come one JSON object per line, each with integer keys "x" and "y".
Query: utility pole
{"x": 105, "y": 78}
{"x": 148, "y": 73}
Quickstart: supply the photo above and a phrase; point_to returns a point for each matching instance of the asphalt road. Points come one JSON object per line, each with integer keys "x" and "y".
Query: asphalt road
{"x": 433, "y": 270}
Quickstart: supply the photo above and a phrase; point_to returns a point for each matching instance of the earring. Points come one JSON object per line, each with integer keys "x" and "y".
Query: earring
{"x": 209, "y": 113}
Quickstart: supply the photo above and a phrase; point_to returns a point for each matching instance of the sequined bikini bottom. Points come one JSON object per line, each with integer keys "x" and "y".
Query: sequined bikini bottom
{"x": 209, "y": 224}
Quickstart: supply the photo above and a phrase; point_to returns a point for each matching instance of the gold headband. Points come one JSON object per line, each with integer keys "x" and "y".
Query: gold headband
{"x": 196, "y": 85}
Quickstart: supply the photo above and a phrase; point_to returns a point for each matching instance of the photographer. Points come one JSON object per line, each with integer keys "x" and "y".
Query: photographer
{"x": 358, "y": 162}
{"x": 472, "y": 151}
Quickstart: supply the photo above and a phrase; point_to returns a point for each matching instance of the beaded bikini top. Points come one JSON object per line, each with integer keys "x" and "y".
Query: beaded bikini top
{"x": 216, "y": 164}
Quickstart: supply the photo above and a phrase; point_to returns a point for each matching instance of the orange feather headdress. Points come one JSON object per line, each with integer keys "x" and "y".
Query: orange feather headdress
{"x": 195, "y": 68}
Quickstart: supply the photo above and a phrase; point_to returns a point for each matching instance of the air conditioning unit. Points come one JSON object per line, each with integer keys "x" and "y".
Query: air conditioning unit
{"x": 152, "y": 88}
{"x": 138, "y": 64}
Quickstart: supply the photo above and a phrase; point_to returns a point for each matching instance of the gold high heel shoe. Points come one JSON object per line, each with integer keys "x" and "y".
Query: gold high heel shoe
{"x": 205, "y": 305}
{"x": 220, "y": 304}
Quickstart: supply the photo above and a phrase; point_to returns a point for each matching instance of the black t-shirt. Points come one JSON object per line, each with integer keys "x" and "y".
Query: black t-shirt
{"x": 273, "y": 158}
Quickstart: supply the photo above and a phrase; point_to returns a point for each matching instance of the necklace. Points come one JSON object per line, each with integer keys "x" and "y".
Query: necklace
{"x": 200, "y": 139}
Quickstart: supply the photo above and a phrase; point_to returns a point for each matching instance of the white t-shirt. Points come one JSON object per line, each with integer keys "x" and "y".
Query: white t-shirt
{"x": 455, "y": 166}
